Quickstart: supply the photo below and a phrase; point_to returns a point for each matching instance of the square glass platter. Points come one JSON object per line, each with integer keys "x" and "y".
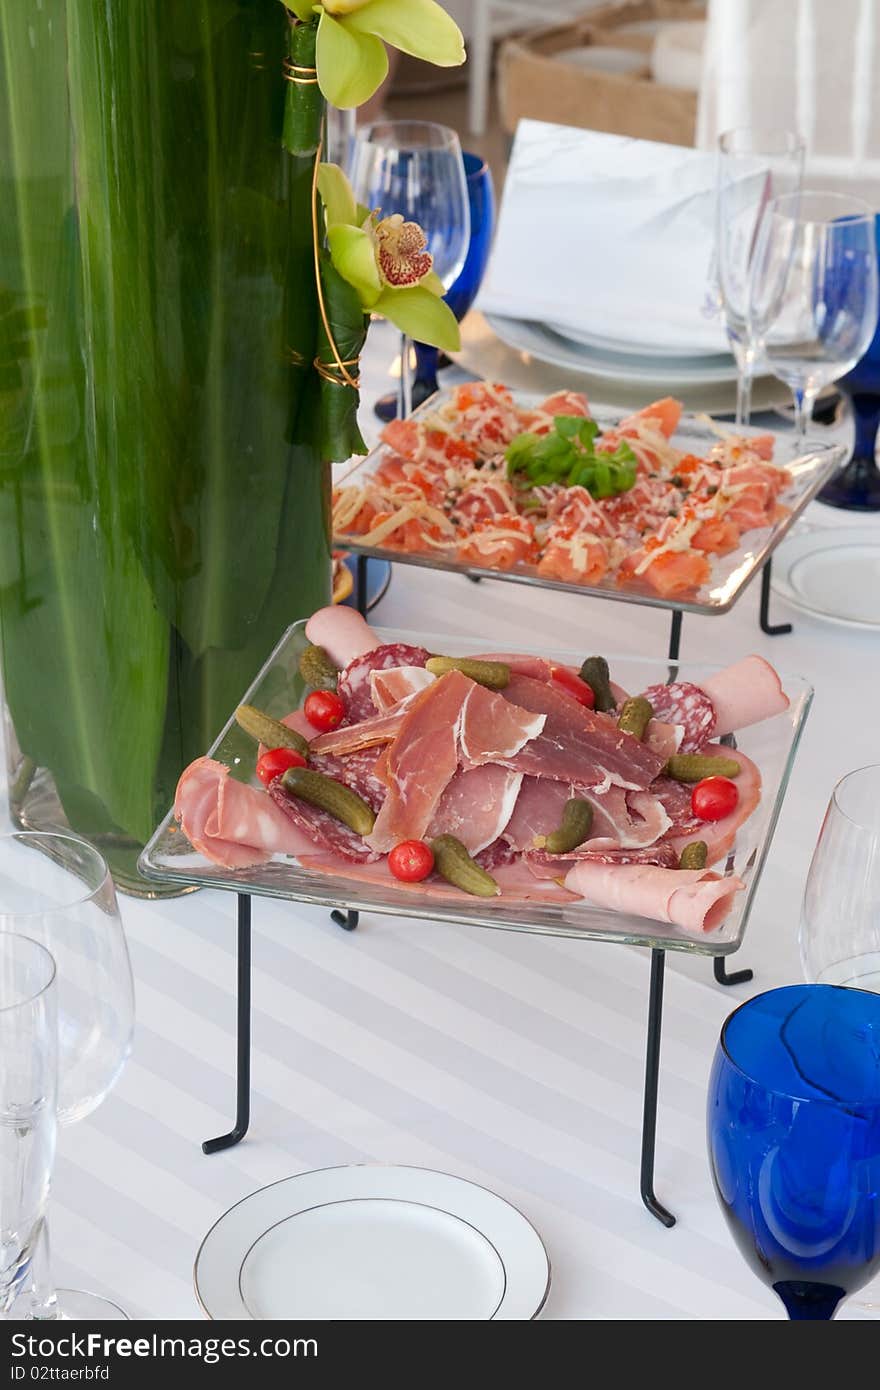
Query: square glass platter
{"x": 730, "y": 573}
{"x": 278, "y": 689}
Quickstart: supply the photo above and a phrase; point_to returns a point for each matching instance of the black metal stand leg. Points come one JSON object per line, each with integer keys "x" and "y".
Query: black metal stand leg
{"x": 346, "y": 920}
{"x": 360, "y": 585}
{"x": 736, "y": 977}
{"x": 652, "y": 1073}
{"x": 771, "y": 629}
{"x": 675, "y": 639}
{"x": 243, "y": 1025}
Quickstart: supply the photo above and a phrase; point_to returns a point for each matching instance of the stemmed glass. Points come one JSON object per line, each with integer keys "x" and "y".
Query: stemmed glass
{"x": 460, "y": 295}
{"x": 794, "y": 1141}
{"x": 28, "y": 1074}
{"x": 840, "y": 915}
{"x": 813, "y": 292}
{"x": 56, "y": 889}
{"x": 754, "y": 165}
{"x": 416, "y": 168}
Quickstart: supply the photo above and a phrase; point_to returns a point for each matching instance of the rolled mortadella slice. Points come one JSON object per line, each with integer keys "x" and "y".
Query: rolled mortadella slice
{"x": 230, "y": 823}
{"x": 693, "y": 899}
{"x": 342, "y": 632}
{"x": 744, "y": 694}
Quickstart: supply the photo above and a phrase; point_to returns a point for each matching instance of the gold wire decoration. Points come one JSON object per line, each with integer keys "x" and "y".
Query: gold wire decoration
{"x": 303, "y": 77}
{"x": 336, "y": 371}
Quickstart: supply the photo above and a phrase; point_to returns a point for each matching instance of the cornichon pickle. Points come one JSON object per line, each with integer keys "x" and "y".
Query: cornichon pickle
{"x": 577, "y": 818}
{"x": 452, "y": 862}
{"x": 330, "y": 796}
{"x": 595, "y": 672}
{"x": 317, "y": 669}
{"x": 495, "y": 675}
{"x": 693, "y": 767}
{"x": 268, "y": 731}
{"x": 635, "y": 716}
{"x": 694, "y": 855}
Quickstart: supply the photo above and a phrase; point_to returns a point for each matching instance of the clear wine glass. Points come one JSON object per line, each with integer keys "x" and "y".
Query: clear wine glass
{"x": 840, "y": 915}
{"x": 56, "y": 889}
{"x": 29, "y": 1053}
{"x": 813, "y": 292}
{"x": 754, "y": 165}
{"x": 416, "y": 168}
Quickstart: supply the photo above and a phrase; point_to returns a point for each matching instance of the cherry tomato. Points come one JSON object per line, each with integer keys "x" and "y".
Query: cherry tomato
{"x": 411, "y": 861}
{"x": 324, "y": 710}
{"x": 714, "y": 798}
{"x": 277, "y": 760}
{"x": 573, "y": 684}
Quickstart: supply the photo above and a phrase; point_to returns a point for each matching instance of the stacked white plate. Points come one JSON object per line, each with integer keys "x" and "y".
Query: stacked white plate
{"x": 613, "y": 360}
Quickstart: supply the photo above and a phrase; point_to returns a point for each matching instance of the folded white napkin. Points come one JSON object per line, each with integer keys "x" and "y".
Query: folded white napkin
{"x": 607, "y": 235}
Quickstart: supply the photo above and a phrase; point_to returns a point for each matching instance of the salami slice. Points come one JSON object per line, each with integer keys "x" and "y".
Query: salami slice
{"x": 354, "y": 770}
{"x": 687, "y": 705}
{"x": 324, "y": 830}
{"x": 354, "y": 682}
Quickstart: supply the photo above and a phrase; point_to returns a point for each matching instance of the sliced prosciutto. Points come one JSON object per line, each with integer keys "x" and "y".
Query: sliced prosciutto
{"x": 233, "y": 825}
{"x": 390, "y": 687}
{"x": 744, "y": 694}
{"x": 476, "y": 805}
{"x": 342, "y": 632}
{"x": 599, "y": 851}
{"x": 693, "y": 899}
{"x": 421, "y": 762}
{"x": 577, "y": 745}
{"x": 370, "y": 733}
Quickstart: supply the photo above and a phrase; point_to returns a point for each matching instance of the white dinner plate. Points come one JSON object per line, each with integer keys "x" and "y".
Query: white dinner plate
{"x": 832, "y": 574}
{"x": 644, "y": 352}
{"x": 372, "y": 1243}
{"x": 548, "y": 346}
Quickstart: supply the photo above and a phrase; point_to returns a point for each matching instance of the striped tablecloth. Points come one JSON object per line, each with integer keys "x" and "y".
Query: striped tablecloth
{"x": 516, "y": 1061}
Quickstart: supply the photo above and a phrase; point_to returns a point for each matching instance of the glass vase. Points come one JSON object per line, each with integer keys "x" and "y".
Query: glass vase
{"x": 163, "y": 510}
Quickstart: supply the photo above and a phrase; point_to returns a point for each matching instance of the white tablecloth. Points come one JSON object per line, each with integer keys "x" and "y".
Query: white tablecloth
{"x": 517, "y": 1061}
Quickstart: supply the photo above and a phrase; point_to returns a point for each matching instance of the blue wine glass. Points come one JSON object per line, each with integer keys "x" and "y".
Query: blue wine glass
{"x": 857, "y": 486}
{"x": 461, "y": 295}
{"x": 794, "y": 1141}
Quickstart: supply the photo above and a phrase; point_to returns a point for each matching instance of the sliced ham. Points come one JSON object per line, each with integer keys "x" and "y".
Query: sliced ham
{"x": 693, "y": 899}
{"x": 232, "y": 824}
{"x": 577, "y": 745}
{"x": 476, "y": 805}
{"x": 744, "y": 694}
{"x": 342, "y": 632}
{"x": 515, "y": 881}
{"x": 389, "y": 688}
{"x": 421, "y": 761}
{"x": 718, "y": 835}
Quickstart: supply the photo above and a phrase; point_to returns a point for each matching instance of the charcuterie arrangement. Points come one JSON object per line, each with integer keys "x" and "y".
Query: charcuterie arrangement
{"x": 501, "y": 776}
{"x": 493, "y": 484}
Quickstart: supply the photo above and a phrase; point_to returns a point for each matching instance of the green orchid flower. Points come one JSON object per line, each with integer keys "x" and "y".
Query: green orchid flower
{"x": 385, "y": 261}
{"x": 351, "y": 58}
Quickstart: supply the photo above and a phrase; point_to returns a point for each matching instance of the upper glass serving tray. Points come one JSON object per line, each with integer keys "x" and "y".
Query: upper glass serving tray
{"x": 730, "y": 573}
{"x": 278, "y": 689}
